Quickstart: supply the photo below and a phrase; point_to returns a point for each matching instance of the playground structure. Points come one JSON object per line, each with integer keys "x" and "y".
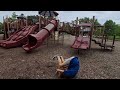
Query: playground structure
{"x": 21, "y": 35}
{"x": 82, "y": 40}
{"x": 18, "y": 38}
{"x": 11, "y": 26}
{"x": 85, "y": 33}
{"x": 32, "y": 35}
{"x": 35, "y": 40}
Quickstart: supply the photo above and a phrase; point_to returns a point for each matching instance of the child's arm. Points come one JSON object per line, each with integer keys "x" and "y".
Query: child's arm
{"x": 60, "y": 60}
{"x": 67, "y": 61}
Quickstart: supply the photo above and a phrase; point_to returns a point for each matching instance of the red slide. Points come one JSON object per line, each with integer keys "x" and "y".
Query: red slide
{"x": 1, "y": 41}
{"x": 19, "y": 37}
{"x": 77, "y": 42}
{"x": 81, "y": 42}
{"x": 85, "y": 43}
{"x": 35, "y": 40}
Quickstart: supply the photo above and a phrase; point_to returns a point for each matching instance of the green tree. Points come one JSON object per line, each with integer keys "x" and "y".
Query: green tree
{"x": 117, "y": 30}
{"x": 87, "y": 19}
{"x": 1, "y": 27}
{"x": 96, "y": 22}
{"x": 13, "y": 17}
{"x": 34, "y": 18}
{"x": 110, "y": 27}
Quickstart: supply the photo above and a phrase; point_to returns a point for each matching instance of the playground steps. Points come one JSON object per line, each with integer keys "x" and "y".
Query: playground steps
{"x": 99, "y": 43}
{"x": 103, "y": 45}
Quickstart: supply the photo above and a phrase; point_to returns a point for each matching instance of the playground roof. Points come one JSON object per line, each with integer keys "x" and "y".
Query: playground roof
{"x": 48, "y": 13}
{"x": 85, "y": 30}
{"x": 21, "y": 17}
{"x": 85, "y": 24}
{"x": 99, "y": 25}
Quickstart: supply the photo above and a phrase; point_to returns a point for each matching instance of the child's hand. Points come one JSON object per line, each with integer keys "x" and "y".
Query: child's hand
{"x": 60, "y": 70}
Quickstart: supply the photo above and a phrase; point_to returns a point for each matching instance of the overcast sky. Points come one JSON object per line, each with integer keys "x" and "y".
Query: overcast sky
{"x": 102, "y": 16}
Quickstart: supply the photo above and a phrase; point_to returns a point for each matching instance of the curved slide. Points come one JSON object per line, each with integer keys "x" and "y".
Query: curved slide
{"x": 19, "y": 37}
{"x": 35, "y": 40}
{"x": 81, "y": 42}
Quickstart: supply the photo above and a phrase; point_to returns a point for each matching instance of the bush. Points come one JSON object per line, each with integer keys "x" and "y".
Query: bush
{"x": 116, "y": 37}
{"x": 1, "y": 32}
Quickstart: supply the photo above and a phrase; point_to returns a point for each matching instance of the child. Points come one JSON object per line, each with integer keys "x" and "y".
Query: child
{"x": 72, "y": 68}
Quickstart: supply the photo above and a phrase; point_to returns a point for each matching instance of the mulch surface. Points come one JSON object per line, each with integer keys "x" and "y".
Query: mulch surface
{"x": 15, "y": 63}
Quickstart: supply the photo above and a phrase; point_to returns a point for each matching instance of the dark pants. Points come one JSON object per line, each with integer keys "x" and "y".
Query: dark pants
{"x": 65, "y": 77}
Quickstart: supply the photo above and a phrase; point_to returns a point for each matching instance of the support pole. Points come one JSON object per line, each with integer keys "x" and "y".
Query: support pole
{"x": 45, "y": 25}
{"x": 54, "y": 36}
{"x": 103, "y": 34}
{"x": 26, "y": 21}
{"x": 8, "y": 27}
{"x": 77, "y": 21}
{"x": 63, "y": 38}
{"x": 113, "y": 40}
{"x": 58, "y": 27}
{"x": 5, "y": 36}
{"x": 92, "y": 29}
{"x": 39, "y": 23}
{"x": 105, "y": 42}
{"x": 63, "y": 32}
{"x": 17, "y": 24}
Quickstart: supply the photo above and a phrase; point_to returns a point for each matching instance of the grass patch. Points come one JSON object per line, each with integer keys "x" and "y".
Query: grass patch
{"x": 116, "y": 37}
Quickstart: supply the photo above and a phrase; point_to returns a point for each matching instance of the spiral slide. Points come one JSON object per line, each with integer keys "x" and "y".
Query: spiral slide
{"x": 35, "y": 40}
{"x": 18, "y": 38}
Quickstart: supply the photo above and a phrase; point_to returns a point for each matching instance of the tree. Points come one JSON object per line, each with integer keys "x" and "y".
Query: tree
{"x": 96, "y": 22}
{"x": 117, "y": 30}
{"x": 33, "y": 18}
{"x": 13, "y": 17}
{"x": 87, "y": 19}
{"x": 1, "y": 27}
{"x": 110, "y": 27}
